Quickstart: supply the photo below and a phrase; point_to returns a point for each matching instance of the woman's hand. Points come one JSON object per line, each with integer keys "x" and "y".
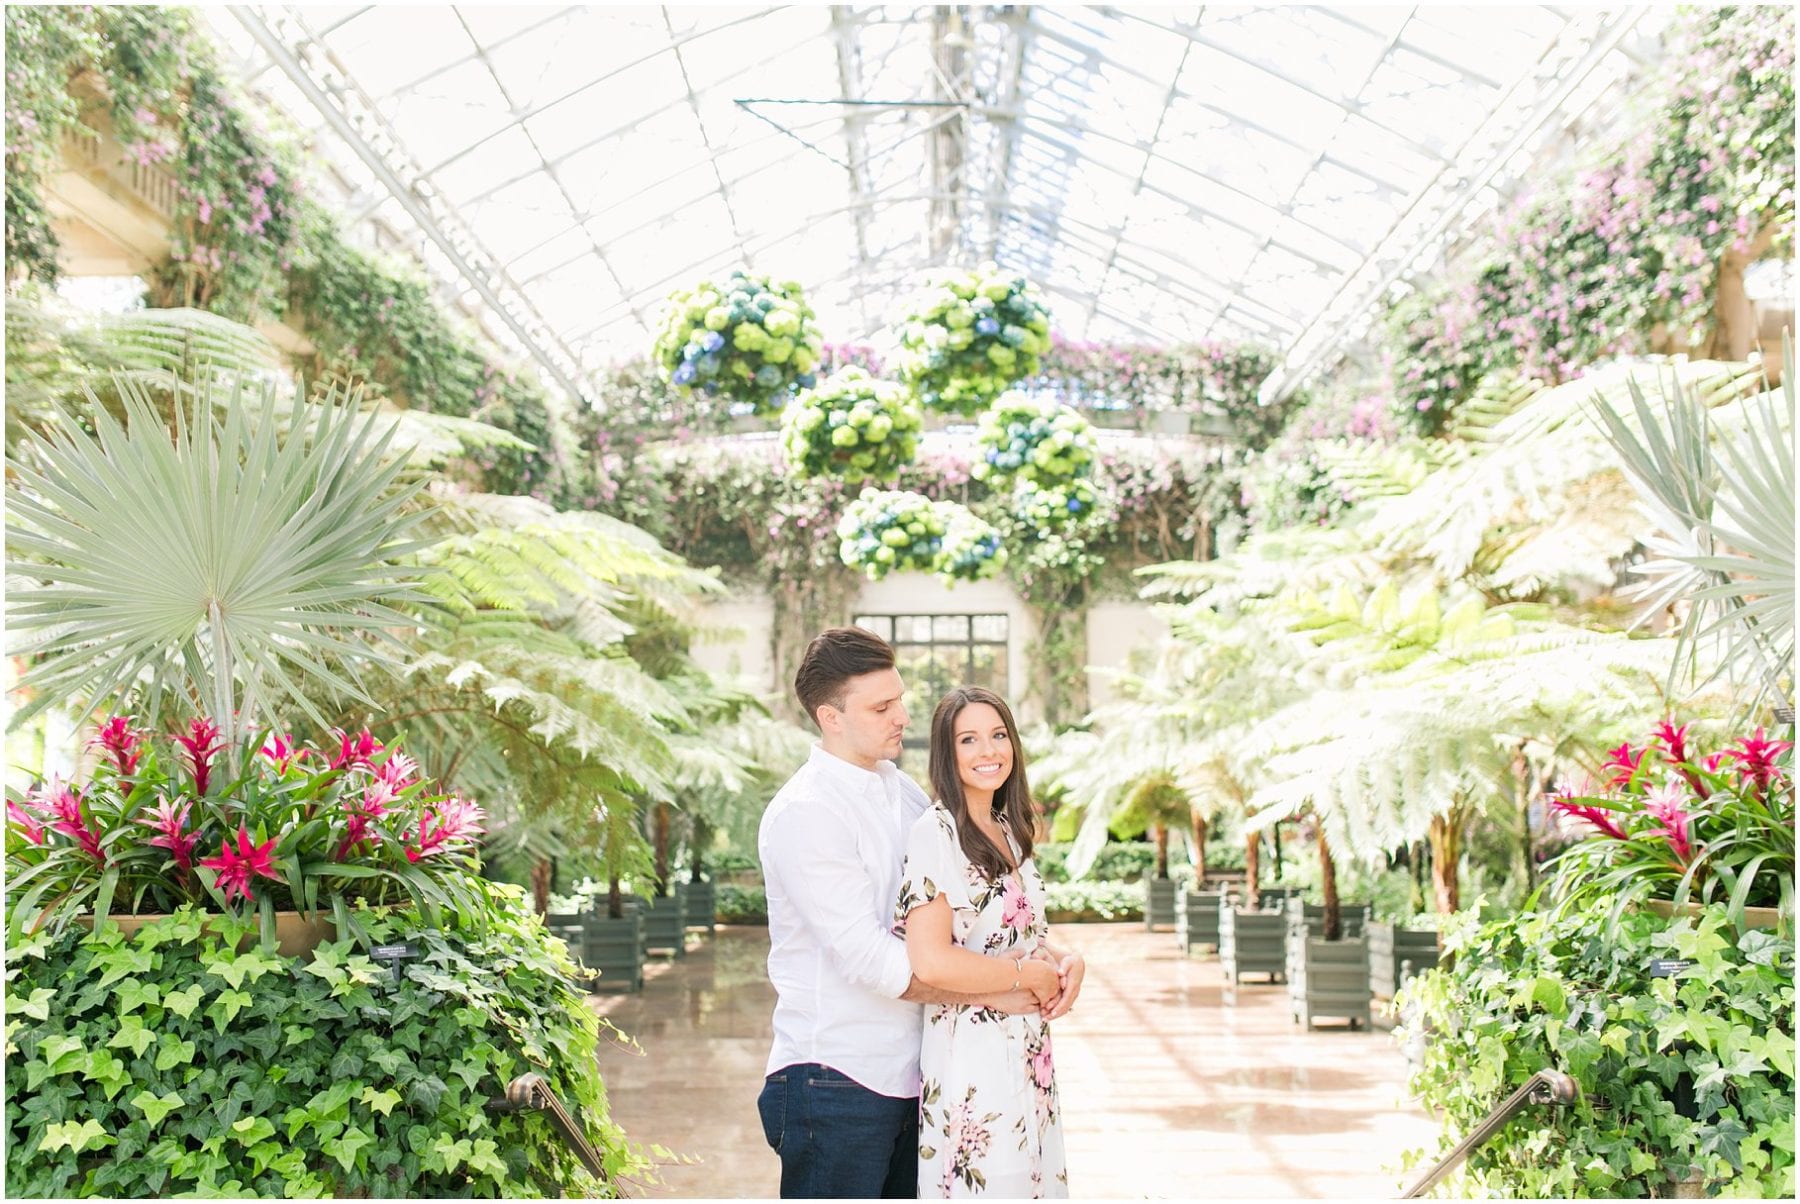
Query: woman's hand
{"x": 1071, "y": 970}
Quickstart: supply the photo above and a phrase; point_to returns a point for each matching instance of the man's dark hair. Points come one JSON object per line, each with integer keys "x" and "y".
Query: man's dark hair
{"x": 831, "y": 660}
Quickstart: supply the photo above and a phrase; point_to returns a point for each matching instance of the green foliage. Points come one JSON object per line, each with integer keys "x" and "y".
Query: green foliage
{"x": 1126, "y": 861}
{"x": 1532, "y": 992}
{"x": 273, "y": 549}
{"x": 169, "y": 1064}
{"x": 741, "y": 904}
{"x": 1075, "y": 902}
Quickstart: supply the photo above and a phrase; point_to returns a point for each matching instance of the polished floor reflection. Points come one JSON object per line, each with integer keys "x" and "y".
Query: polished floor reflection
{"x": 1168, "y": 1089}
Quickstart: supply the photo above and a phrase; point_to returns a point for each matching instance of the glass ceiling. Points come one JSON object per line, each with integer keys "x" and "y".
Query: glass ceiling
{"x": 1162, "y": 174}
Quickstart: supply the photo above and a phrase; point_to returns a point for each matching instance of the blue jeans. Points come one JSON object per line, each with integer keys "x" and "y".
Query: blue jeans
{"x": 837, "y": 1139}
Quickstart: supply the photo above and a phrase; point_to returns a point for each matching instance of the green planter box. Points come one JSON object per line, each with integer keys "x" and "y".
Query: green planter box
{"x": 665, "y": 924}
{"x": 569, "y": 926}
{"x": 1159, "y": 903}
{"x": 700, "y": 902}
{"x": 1352, "y": 916}
{"x": 1396, "y": 954}
{"x": 1197, "y": 918}
{"x": 614, "y": 950}
{"x": 1326, "y": 978}
{"x": 1274, "y": 898}
{"x": 1252, "y": 942}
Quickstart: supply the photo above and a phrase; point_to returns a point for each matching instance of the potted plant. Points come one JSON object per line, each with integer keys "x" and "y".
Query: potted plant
{"x": 1397, "y": 952}
{"x": 297, "y": 831}
{"x": 1674, "y": 827}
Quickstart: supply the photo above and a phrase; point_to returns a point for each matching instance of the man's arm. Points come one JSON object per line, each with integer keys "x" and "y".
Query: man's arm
{"x": 828, "y": 888}
{"x": 1013, "y": 1003}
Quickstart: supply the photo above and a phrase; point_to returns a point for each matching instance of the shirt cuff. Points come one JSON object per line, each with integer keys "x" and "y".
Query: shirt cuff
{"x": 898, "y": 974}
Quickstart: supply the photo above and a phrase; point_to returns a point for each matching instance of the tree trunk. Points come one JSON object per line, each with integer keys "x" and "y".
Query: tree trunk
{"x": 615, "y": 900}
{"x": 1159, "y": 837}
{"x": 1199, "y": 831}
{"x": 660, "y": 825}
{"x": 542, "y": 871}
{"x": 1734, "y": 315}
{"x": 1334, "y": 920}
{"x": 701, "y": 835}
{"x": 1446, "y": 855}
{"x": 1252, "y": 856}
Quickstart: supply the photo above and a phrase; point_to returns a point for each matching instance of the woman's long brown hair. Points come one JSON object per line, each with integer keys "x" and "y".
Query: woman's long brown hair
{"x": 1012, "y": 799}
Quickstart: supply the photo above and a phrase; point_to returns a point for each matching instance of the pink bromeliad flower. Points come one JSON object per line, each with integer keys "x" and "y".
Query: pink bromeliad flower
{"x": 1673, "y": 742}
{"x": 1755, "y": 756}
{"x": 27, "y": 823}
{"x": 399, "y": 771}
{"x": 122, "y": 743}
{"x": 1624, "y": 762}
{"x": 170, "y": 823}
{"x": 452, "y": 820}
{"x": 1667, "y": 804}
{"x": 1600, "y": 817}
{"x": 61, "y": 803}
{"x": 354, "y": 750}
{"x": 361, "y": 811}
{"x": 281, "y": 751}
{"x": 237, "y": 866}
{"x": 202, "y": 744}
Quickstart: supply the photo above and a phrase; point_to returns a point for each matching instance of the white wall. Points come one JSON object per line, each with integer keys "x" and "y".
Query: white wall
{"x": 1115, "y": 631}
{"x": 736, "y": 642}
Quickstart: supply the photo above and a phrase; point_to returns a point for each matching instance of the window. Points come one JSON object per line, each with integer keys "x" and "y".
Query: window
{"x": 935, "y": 654}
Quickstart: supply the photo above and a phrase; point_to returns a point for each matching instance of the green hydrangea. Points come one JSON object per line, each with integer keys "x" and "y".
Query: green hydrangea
{"x": 852, "y": 427}
{"x": 746, "y": 339}
{"x": 1032, "y": 440}
{"x": 885, "y": 531}
{"x": 969, "y": 336}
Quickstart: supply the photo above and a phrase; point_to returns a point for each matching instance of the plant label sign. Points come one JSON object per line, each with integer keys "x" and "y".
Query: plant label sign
{"x": 1668, "y": 967}
{"x": 393, "y": 955}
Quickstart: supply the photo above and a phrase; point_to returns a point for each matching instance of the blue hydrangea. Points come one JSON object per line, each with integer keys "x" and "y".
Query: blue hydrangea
{"x": 712, "y": 340}
{"x": 685, "y": 374}
{"x": 987, "y": 326}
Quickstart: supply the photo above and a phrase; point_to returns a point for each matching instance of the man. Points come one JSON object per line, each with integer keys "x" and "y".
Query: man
{"x": 840, "y": 1103}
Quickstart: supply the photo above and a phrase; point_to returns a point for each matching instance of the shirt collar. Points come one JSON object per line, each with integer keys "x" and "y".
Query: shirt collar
{"x": 844, "y": 775}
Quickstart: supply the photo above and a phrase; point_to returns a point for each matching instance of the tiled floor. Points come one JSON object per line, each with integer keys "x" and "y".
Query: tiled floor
{"x": 1168, "y": 1089}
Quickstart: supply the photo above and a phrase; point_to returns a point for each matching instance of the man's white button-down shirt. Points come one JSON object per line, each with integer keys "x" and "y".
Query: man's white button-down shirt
{"x": 832, "y": 843}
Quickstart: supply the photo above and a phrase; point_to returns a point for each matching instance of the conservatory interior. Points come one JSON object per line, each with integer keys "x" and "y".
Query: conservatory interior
{"x": 1357, "y": 442}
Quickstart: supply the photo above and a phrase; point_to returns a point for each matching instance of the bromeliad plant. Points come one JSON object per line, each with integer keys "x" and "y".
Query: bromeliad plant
{"x": 298, "y": 827}
{"x": 1675, "y": 824}
{"x": 852, "y": 427}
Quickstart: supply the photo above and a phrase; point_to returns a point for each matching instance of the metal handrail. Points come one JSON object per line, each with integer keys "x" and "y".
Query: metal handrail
{"x": 1545, "y": 1087}
{"x": 530, "y": 1093}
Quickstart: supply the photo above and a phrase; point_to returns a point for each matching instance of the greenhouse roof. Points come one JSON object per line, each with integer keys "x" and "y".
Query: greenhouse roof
{"x": 1234, "y": 173}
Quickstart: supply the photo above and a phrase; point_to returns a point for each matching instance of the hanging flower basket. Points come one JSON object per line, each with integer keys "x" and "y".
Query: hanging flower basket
{"x": 1059, "y": 507}
{"x": 885, "y": 531}
{"x": 745, "y": 339}
{"x": 969, "y": 336}
{"x": 1034, "y": 440}
{"x": 971, "y": 548}
{"x": 852, "y": 427}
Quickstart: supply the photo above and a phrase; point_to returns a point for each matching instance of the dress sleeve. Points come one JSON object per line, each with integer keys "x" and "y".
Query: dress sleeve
{"x": 935, "y": 865}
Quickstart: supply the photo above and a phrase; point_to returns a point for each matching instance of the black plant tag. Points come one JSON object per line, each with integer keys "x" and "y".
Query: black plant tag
{"x": 394, "y": 955}
{"x": 1668, "y": 967}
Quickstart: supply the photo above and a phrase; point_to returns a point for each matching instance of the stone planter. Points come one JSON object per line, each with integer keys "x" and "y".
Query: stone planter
{"x": 700, "y": 902}
{"x": 1275, "y": 898}
{"x": 1326, "y": 978}
{"x": 1252, "y": 942}
{"x": 569, "y": 927}
{"x": 295, "y": 934}
{"x": 1197, "y": 918}
{"x": 1395, "y": 955}
{"x": 665, "y": 924}
{"x": 1351, "y": 916}
{"x": 614, "y": 951}
{"x": 1754, "y": 917}
{"x": 1159, "y": 903}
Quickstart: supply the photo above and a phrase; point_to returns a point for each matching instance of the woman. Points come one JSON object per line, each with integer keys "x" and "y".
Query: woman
{"x": 972, "y": 912}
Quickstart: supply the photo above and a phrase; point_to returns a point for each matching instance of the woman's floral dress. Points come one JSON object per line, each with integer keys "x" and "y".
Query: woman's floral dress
{"x": 989, "y": 1120}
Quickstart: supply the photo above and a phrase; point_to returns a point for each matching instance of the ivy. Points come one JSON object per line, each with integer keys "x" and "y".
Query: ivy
{"x": 179, "y": 1063}
{"x": 1533, "y": 992}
